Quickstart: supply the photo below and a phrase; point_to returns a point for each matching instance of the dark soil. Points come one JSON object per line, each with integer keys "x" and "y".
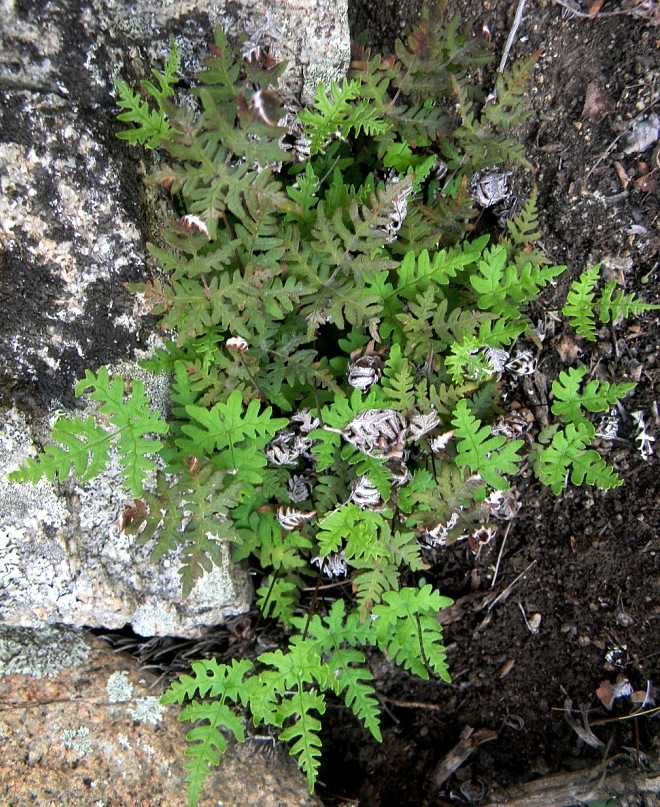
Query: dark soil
{"x": 590, "y": 559}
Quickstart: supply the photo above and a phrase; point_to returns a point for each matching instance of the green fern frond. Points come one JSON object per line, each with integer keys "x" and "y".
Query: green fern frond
{"x": 336, "y": 115}
{"x": 488, "y": 455}
{"x": 511, "y": 107}
{"x": 277, "y": 599}
{"x": 372, "y": 579}
{"x": 284, "y": 696}
{"x": 223, "y": 427}
{"x": 398, "y": 381}
{"x": 206, "y": 742}
{"x": 621, "y": 306}
{"x": 152, "y": 124}
{"x": 360, "y": 533}
{"x": 85, "y": 447}
{"x": 274, "y": 548}
{"x": 191, "y": 511}
{"x": 433, "y": 52}
{"x": 579, "y": 308}
{"x": 407, "y": 629}
{"x": 597, "y": 396}
{"x": 337, "y": 638}
{"x": 503, "y": 287}
{"x": 567, "y": 456}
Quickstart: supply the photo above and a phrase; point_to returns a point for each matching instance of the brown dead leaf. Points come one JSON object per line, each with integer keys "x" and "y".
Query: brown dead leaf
{"x": 506, "y": 668}
{"x": 604, "y": 693}
{"x": 567, "y": 348}
{"x": 647, "y": 183}
{"x": 624, "y": 179}
{"x": 596, "y": 102}
{"x": 594, "y": 7}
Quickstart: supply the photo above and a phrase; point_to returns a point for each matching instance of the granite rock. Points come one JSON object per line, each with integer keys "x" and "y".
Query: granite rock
{"x": 87, "y": 729}
{"x": 74, "y": 220}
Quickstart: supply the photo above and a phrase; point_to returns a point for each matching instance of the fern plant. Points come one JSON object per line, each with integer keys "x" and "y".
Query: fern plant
{"x": 583, "y": 310}
{"x": 339, "y": 354}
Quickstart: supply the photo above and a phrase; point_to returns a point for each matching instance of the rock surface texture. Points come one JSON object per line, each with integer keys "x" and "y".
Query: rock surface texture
{"x": 74, "y": 219}
{"x": 85, "y": 728}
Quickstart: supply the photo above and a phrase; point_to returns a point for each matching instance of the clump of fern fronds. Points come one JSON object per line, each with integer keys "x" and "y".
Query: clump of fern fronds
{"x": 338, "y": 351}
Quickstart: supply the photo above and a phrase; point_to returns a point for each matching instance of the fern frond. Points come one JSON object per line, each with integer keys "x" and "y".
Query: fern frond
{"x": 360, "y": 533}
{"x": 372, "y": 579}
{"x": 416, "y": 273}
{"x": 206, "y": 742}
{"x": 398, "y": 381}
{"x": 503, "y": 287}
{"x": 418, "y": 650}
{"x": 568, "y": 456}
{"x": 211, "y": 679}
{"x": 223, "y": 427}
{"x": 337, "y": 637}
{"x": 579, "y": 308}
{"x": 477, "y": 140}
{"x": 597, "y": 396}
{"x": 335, "y": 115}
{"x": 512, "y": 90}
{"x": 433, "y": 52}
{"x": 152, "y": 124}
{"x": 454, "y": 325}
{"x": 189, "y": 511}
{"x": 85, "y": 447}
{"x": 615, "y": 308}
{"x": 274, "y": 548}
{"x": 278, "y": 600}
{"x": 488, "y": 455}
{"x": 283, "y": 695}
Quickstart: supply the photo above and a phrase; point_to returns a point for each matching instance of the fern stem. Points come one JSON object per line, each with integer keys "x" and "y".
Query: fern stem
{"x": 318, "y": 405}
{"x": 421, "y": 642}
{"x": 254, "y": 381}
{"x": 312, "y": 604}
{"x": 262, "y": 611}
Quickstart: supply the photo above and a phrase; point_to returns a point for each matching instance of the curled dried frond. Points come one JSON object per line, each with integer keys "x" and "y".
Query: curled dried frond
{"x": 334, "y": 565}
{"x": 364, "y": 493}
{"x": 377, "y": 432}
{"x": 513, "y": 424}
{"x": 503, "y": 504}
{"x": 237, "y": 343}
{"x": 363, "y": 373}
{"x": 305, "y": 421}
{"x": 523, "y": 363}
{"x": 400, "y": 472}
{"x": 292, "y": 442}
{"x": 298, "y": 489}
{"x": 439, "y": 443}
{"x": 399, "y": 212}
{"x": 438, "y": 535}
{"x": 481, "y": 537}
{"x": 194, "y": 224}
{"x": 419, "y": 425}
{"x": 290, "y": 518}
{"x": 489, "y": 187}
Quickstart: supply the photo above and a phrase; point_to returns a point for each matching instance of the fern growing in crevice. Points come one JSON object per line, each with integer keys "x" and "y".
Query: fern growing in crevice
{"x": 342, "y": 359}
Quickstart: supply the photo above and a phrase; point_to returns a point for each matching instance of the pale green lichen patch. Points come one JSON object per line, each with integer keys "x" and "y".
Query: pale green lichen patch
{"x": 119, "y": 687}
{"x": 76, "y": 740}
{"x": 40, "y": 652}
{"x": 148, "y": 710}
